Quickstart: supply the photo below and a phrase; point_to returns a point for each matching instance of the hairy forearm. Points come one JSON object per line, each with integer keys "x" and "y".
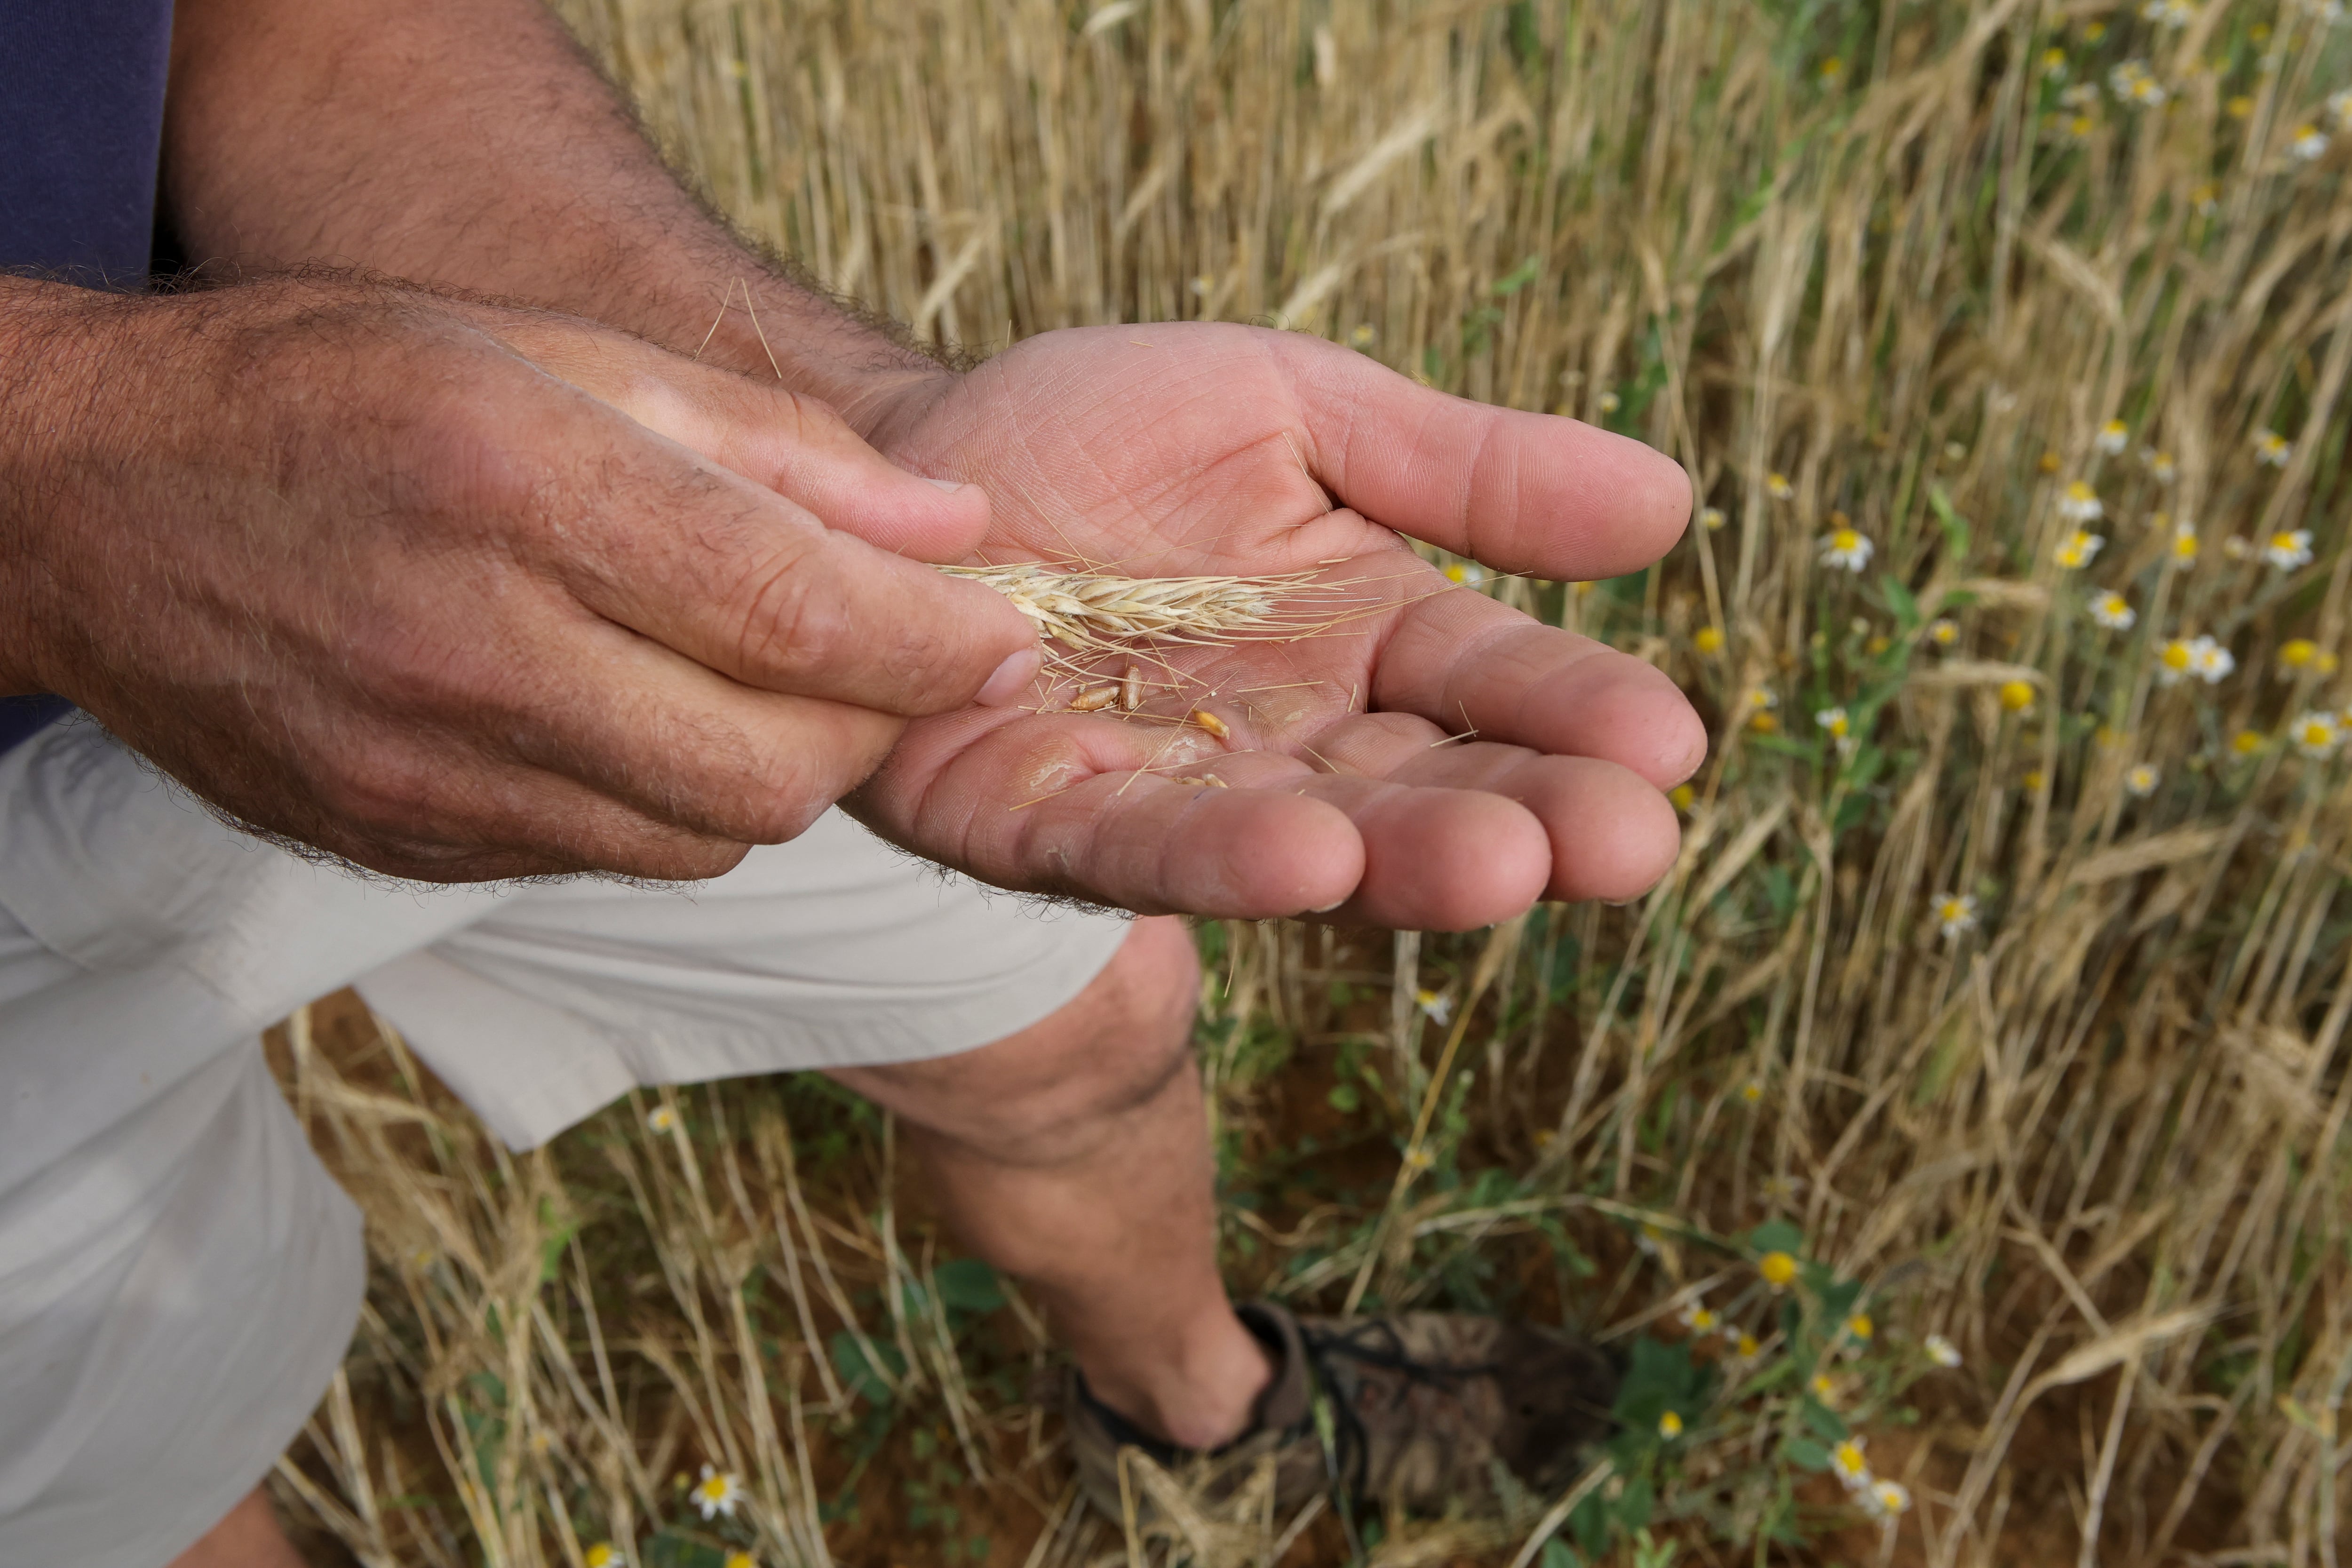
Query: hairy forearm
{"x": 54, "y": 341}
{"x": 467, "y": 145}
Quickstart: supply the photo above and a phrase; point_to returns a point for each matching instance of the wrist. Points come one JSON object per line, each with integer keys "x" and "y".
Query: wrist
{"x": 775, "y": 329}
{"x": 58, "y": 364}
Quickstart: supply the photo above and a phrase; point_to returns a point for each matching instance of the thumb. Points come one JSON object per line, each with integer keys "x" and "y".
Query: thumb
{"x": 795, "y": 445}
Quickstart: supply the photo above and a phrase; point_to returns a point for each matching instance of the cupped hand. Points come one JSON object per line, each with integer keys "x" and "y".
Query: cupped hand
{"x": 1427, "y": 757}
{"x": 456, "y": 592}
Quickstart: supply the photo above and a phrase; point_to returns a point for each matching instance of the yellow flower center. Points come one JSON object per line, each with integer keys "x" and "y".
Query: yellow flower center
{"x": 2176, "y": 655}
{"x": 1860, "y": 1326}
{"x": 1669, "y": 1425}
{"x": 2298, "y": 652}
{"x": 2245, "y": 742}
{"x": 1845, "y": 539}
{"x": 1777, "y": 1268}
{"x": 1707, "y": 639}
{"x": 2017, "y": 696}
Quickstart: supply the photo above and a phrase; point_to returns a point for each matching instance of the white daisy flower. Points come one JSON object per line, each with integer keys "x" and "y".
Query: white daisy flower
{"x": 661, "y": 1119}
{"x": 716, "y": 1493}
{"x": 2213, "y": 662}
{"x": 2080, "y": 503}
{"x": 1885, "y": 1499}
{"x": 1436, "y": 1005}
{"x": 1850, "y": 1465}
{"x": 2112, "y": 611}
{"x": 2310, "y": 143}
{"x": 1699, "y": 1320}
{"x": 2271, "y": 450}
{"x": 2289, "y": 549}
{"x": 2079, "y": 549}
{"x": 2141, "y": 780}
{"x": 2160, "y": 465}
{"x": 1846, "y": 547}
{"x": 1469, "y": 573}
{"x": 2339, "y": 104}
{"x": 1956, "y": 914}
{"x": 1841, "y": 729}
{"x": 1777, "y": 487}
{"x": 2184, "y": 543}
{"x": 2113, "y": 437}
{"x": 1941, "y": 1351}
{"x": 1943, "y": 633}
{"x": 2316, "y": 733}
{"x": 2171, "y": 15}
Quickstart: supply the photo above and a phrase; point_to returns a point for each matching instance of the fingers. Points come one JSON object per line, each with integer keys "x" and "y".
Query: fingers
{"x": 794, "y": 445}
{"x": 1608, "y": 834}
{"x": 1389, "y": 830}
{"x": 670, "y": 740}
{"x": 1460, "y": 659}
{"x": 1524, "y": 493}
{"x": 1056, "y": 805}
{"x": 742, "y": 581}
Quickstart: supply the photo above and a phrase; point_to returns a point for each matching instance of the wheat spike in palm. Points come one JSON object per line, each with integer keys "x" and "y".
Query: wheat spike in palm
{"x": 1204, "y": 449}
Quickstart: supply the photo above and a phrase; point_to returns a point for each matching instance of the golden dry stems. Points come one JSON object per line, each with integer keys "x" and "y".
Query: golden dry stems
{"x": 2098, "y": 1142}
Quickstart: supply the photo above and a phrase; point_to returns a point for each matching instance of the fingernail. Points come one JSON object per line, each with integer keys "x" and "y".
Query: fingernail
{"x": 950, "y": 485}
{"x": 1327, "y": 909}
{"x": 1011, "y": 677}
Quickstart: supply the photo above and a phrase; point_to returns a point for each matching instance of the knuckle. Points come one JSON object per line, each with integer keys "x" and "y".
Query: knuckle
{"x": 784, "y": 627}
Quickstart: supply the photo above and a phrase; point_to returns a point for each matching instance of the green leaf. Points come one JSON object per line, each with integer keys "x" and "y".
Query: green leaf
{"x": 1559, "y": 1553}
{"x": 1825, "y": 1422}
{"x": 1806, "y": 1454}
{"x": 1900, "y": 604}
{"x": 1519, "y": 276}
{"x": 1956, "y": 527}
{"x": 968, "y": 1284}
{"x": 1777, "y": 1236}
{"x": 849, "y": 1360}
{"x": 667, "y": 1548}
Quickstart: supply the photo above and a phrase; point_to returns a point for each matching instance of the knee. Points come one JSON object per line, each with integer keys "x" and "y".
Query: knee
{"x": 1066, "y": 1083}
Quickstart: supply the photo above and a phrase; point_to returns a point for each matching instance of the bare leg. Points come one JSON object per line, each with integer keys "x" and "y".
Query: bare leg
{"x": 248, "y": 1538}
{"x": 1075, "y": 1156}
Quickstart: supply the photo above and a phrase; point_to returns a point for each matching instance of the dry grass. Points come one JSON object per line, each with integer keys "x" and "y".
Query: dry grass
{"x": 2098, "y": 1141}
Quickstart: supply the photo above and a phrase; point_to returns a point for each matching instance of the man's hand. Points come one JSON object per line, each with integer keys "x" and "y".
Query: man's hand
{"x": 460, "y": 593}
{"x": 1190, "y": 450}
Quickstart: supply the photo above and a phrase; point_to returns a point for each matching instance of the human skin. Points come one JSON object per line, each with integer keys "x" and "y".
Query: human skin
{"x": 466, "y": 145}
{"x": 404, "y": 580}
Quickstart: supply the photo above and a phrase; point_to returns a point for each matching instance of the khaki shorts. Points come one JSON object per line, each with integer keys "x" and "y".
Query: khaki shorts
{"x": 178, "y": 1276}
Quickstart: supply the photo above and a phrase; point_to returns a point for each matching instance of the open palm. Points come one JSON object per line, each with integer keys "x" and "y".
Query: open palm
{"x": 1210, "y": 449}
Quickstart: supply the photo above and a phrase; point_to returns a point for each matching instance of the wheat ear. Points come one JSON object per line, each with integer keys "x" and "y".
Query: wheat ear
{"x": 1097, "y": 611}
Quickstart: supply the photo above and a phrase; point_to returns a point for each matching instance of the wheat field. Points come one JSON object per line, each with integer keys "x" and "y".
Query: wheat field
{"x": 1970, "y": 1103}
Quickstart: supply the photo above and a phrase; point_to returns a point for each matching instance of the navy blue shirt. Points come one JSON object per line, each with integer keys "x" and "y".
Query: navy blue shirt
{"x": 82, "y": 127}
